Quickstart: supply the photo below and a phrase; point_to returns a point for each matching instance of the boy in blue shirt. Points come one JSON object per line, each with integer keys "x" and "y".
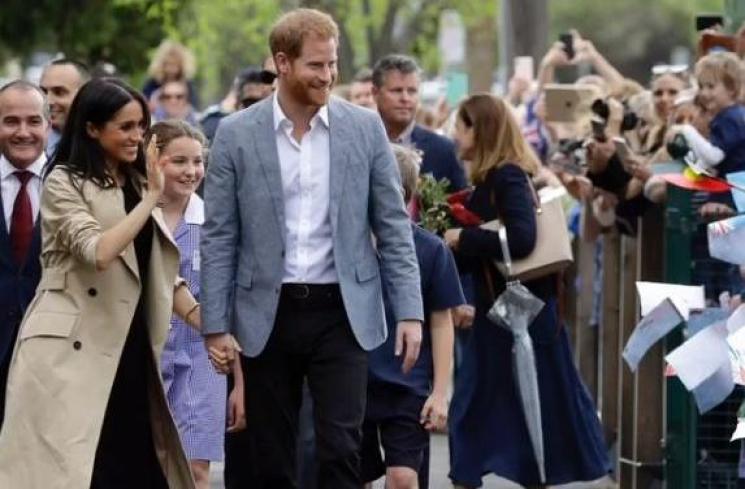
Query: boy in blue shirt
{"x": 403, "y": 407}
{"x": 721, "y": 78}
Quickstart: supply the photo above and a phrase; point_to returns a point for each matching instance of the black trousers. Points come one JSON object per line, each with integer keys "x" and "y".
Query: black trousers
{"x": 311, "y": 339}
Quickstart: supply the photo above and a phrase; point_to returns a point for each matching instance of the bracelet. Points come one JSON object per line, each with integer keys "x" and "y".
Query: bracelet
{"x": 188, "y": 313}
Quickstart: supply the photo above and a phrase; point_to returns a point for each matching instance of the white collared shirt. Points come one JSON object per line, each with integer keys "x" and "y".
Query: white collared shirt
{"x": 404, "y": 138}
{"x": 305, "y": 169}
{"x": 10, "y": 185}
{"x": 194, "y": 212}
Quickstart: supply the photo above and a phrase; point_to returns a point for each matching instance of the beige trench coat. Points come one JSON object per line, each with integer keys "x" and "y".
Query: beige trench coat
{"x": 70, "y": 341}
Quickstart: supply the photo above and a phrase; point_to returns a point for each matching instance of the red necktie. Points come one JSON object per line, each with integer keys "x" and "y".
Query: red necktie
{"x": 22, "y": 220}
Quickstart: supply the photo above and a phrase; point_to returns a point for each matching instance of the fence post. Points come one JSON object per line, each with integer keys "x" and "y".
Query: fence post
{"x": 680, "y": 443}
{"x": 609, "y": 336}
{"x": 626, "y": 400}
{"x": 642, "y": 404}
{"x": 585, "y": 334}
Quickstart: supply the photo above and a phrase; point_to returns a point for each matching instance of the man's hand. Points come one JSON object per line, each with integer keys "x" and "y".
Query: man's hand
{"x": 222, "y": 349}
{"x": 434, "y": 415}
{"x": 236, "y": 409}
{"x": 408, "y": 341}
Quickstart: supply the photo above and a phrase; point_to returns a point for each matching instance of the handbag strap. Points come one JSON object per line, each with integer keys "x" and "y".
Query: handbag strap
{"x": 502, "y": 232}
{"x": 489, "y": 282}
{"x": 534, "y": 193}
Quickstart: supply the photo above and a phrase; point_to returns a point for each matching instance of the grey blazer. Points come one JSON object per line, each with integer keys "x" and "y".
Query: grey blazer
{"x": 243, "y": 236}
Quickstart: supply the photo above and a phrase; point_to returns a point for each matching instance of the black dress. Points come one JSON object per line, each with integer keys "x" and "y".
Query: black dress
{"x": 125, "y": 456}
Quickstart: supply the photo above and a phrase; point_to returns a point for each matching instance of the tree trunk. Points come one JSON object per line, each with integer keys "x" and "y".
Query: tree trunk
{"x": 525, "y": 26}
{"x": 481, "y": 39}
{"x": 346, "y": 56}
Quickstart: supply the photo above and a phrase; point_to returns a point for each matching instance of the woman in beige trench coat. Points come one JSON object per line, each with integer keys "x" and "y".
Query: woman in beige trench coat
{"x": 85, "y": 405}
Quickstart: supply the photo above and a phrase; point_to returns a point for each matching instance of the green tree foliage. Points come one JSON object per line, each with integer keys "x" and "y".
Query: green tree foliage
{"x": 368, "y": 30}
{"x": 119, "y": 31}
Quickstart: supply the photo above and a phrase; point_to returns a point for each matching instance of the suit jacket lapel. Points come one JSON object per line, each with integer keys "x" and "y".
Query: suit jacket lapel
{"x": 5, "y": 251}
{"x": 415, "y": 136}
{"x": 340, "y": 137}
{"x": 265, "y": 144}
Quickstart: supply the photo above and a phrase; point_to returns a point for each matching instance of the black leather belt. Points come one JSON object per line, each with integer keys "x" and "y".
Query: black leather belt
{"x": 312, "y": 295}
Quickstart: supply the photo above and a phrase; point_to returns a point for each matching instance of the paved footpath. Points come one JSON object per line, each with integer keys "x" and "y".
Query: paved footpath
{"x": 439, "y": 470}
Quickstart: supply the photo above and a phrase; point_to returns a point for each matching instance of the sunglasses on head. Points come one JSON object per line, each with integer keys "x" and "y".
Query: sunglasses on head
{"x": 659, "y": 70}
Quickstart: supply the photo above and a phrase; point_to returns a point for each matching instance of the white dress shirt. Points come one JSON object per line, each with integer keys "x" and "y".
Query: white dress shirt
{"x": 10, "y": 185}
{"x": 305, "y": 169}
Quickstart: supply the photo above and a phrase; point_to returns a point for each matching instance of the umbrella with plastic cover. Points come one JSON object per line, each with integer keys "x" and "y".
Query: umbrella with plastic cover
{"x": 515, "y": 310}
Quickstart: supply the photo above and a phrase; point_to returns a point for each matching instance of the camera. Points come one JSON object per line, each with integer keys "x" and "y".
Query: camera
{"x": 678, "y": 147}
{"x": 601, "y": 110}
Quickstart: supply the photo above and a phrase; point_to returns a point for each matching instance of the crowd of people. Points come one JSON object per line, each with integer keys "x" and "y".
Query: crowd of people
{"x": 249, "y": 283}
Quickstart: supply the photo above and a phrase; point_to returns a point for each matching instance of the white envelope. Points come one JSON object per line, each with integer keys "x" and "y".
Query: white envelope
{"x": 726, "y": 238}
{"x": 686, "y": 297}
{"x": 652, "y": 328}
{"x": 701, "y": 356}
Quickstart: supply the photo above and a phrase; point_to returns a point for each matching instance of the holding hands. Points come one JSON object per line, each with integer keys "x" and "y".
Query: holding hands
{"x": 223, "y": 351}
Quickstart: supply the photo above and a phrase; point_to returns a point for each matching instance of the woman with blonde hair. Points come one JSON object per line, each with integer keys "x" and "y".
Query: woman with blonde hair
{"x": 172, "y": 61}
{"x": 488, "y": 431}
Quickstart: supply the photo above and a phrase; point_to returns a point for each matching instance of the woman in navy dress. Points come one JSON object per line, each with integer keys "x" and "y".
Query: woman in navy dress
{"x": 488, "y": 432}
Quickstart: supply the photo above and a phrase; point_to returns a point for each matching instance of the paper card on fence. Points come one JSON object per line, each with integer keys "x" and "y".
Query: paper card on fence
{"x": 652, "y": 293}
{"x": 739, "y": 433}
{"x": 736, "y": 342}
{"x": 653, "y": 327}
{"x": 714, "y": 390}
{"x": 738, "y": 179}
{"x": 726, "y": 238}
{"x": 701, "y": 356}
{"x": 699, "y": 320}
{"x": 736, "y": 319}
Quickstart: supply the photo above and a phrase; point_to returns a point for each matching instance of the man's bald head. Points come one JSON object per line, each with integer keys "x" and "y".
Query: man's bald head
{"x": 23, "y": 123}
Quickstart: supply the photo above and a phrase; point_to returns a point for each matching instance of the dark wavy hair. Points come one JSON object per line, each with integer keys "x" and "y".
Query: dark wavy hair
{"x": 97, "y": 103}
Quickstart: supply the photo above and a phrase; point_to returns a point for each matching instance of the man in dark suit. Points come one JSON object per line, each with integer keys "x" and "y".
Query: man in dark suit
{"x": 396, "y": 91}
{"x": 24, "y": 121}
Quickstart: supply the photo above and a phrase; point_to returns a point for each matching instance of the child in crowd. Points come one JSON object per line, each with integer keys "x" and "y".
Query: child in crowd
{"x": 720, "y": 78}
{"x": 196, "y": 392}
{"x": 403, "y": 407}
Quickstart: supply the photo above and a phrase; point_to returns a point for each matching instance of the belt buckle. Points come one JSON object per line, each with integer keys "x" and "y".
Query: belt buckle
{"x": 305, "y": 292}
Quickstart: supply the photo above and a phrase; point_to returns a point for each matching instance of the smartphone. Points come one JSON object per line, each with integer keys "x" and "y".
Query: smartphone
{"x": 524, "y": 67}
{"x": 708, "y": 21}
{"x": 622, "y": 148}
{"x": 567, "y": 39}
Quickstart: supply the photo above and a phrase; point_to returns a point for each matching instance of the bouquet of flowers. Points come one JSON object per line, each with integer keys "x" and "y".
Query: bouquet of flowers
{"x": 440, "y": 211}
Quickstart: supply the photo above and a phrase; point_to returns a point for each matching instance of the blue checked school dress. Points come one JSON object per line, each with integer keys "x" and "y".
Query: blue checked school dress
{"x": 196, "y": 392}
